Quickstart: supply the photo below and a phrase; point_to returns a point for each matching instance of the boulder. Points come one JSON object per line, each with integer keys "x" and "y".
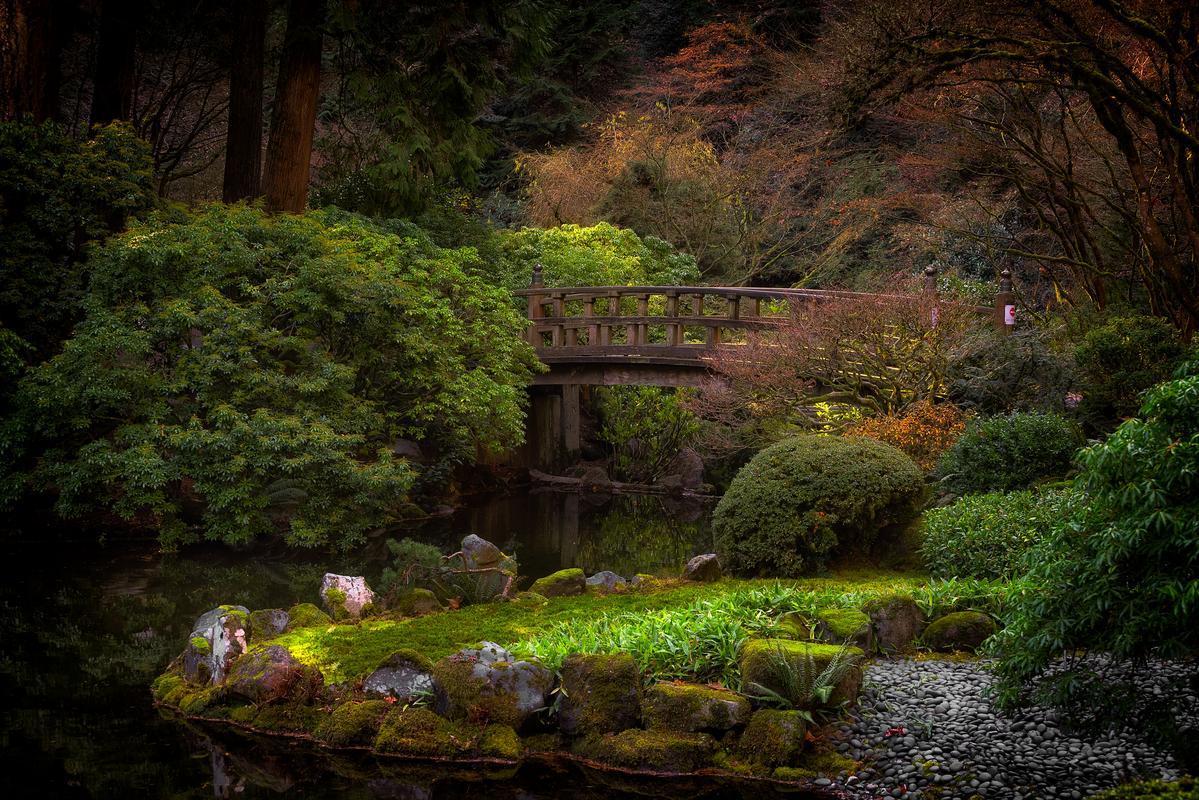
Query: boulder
{"x": 600, "y": 694}
{"x": 416, "y": 602}
{"x": 353, "y": 723}
{"x": 961, "y": 630}
{"x": 897, "y": 621}
{"x": 346, "y": 596}
{"x": 500, "y": 741}
{"x": 404, "y": 675}
{"x": 595, "y": 478}
{"x": 488, "y": 684}
{"x": 606, "y": 581}
{"x": 563, "y": 583}
{"x": 654, "y": 751}
{"x": 268, "y": 622}
{"x": 693, "y": 708}
{"x": 773, "y": 738}
{"x": 840, "y": 626}
{"x": 408, "y": 449}
{"x": 776, "y": 664}
{"x": 306, "y": 615}
{"x": 269, "y": 674}
{"x": 478, "y": 553}
{"x": 219, "y": 636}
{"x": 703, "y": 568}
{"x": 419, "y": 732}
{"x": 689, "y": 467}
{"x": 794, "y": 625}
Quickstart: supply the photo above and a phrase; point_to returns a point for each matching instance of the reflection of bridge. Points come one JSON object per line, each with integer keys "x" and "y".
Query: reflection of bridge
{"x": 656, "y": 336}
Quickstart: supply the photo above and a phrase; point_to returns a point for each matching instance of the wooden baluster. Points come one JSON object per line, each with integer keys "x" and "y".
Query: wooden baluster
{"x": 572, "y": 336}
{"x": 642, "y": 337}
{"x": 559, "y": 311}
{"x": 755, "y": 306}
{"x": 697, "y": 310}
{"x": 612, "y": 310}
{"x": 592, "y": 330}
{"x": 536, "y": 311}
{"x": 674, "y": 331}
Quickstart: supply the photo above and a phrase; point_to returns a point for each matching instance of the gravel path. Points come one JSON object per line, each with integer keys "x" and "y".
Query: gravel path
{"x": 922, "y": 724}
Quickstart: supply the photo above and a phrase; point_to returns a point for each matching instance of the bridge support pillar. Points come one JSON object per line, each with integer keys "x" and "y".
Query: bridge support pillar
{"x": 554, "y": 430}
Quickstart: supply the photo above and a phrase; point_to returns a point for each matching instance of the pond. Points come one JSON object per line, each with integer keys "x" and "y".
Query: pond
{"x": 85, "y": 627}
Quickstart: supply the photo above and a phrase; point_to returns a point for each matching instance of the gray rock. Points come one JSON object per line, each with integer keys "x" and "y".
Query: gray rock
{"x": 689, "y": 467}
{"x": 346, "y": 596}
{"x": 703, "y": 568}
{"x": 219, "y": 636}
{"x": 606, "y": 580}
{"x": 270, "y": 674}
{"x": 897, "y": 622}
{"x": 403, "y": 675}
{"x": 594, "y": 477}
{"x": 268, "y": 622}
{"x": 601, "y": 693}
{"x": 488, "y": 682}
{"x": 478, "y": 553}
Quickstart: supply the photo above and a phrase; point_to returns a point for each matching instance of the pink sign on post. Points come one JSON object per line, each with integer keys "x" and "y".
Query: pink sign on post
{"x": 1009, "y": 314}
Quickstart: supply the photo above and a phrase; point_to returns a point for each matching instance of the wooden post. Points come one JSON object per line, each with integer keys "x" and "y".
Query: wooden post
{"x": 536, "y": 311}
{"x": 559, "y": 309}
{"x": 642, "y": 328}
{"x": 571, "y": 422}
{"x": 1005, "y": 303}
{"x": 930, "y": 294}
{"x": 592, "y": 330}
{"x": 674, "y": 331}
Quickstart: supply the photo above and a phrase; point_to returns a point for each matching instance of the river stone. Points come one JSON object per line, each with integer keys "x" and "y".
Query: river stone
{"x": 689, "y": 467}
{"x": 897, "y": 622}
{"x": 773, "y": 738}
{"x": 563, "y": 583}
{"x": 478, "y": 553}
{"x": 607, "y": 581}
{"x": 703, "y": 568}
{"x": 404, "y": 675}
{"x": 840, "y": 625}
{"x": 219, "y": 636}
{"x": 346, "y": 596}
{"x": 487, "y": 684}
{"x": 272, "y": 673}
{"x": 690, "y": 707}
{"x": 961, "y": 630}
{"x": 600, "y": 694}
{"x": 268, "y": 622}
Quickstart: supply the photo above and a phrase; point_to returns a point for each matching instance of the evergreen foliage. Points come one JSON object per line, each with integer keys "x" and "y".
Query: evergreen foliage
{"x": 1012, "y": 451}
{"x": 1119, "y": 360}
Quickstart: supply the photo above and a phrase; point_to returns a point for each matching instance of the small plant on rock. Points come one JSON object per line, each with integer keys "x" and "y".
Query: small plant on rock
{"x": 802, "y": 683}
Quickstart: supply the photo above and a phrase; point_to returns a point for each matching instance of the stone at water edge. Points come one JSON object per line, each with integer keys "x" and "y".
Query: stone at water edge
{"x": 897, "y": 621}
{"x": 218, "y": 637}
{"x": 689, "y": 466}
{"x": 607, "y": 581}
{"x": 272, "y": 673}
{"x": 961, "y": 630}
{"x": 489, "y": 683}
{"x": 405, "y": 675}
{"x": 268, "y": 622}
{"x": 593, "y": 477}
{"x": 600, "y": 694}
{"x": 563, "y": 583}
{"x": 703, "y": 568}
{"x": 773, "y": 738}
{"x": 346, "y": 595}
{"x": 693, "y": 708}
{"x": 478, "y": 553}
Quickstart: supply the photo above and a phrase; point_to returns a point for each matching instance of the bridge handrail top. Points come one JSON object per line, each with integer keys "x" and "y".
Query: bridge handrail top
{"x": 725, "y": 291}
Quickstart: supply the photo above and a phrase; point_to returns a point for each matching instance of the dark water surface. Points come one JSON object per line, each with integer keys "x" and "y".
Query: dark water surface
{"x": 84, "y": 628}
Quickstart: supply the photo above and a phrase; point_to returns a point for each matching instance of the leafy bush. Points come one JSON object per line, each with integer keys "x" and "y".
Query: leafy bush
{"x": 1119, "y": 360}
{"x": 994, "y": 373}
{"x": 239, "y": 374}
{"x": 646, "y": 427}
{"x": 416, "y": 565}
{"x": 1118, "y": 575}
{"x": 58, "y": 196}
{"x": 987, "y": 535}
{"x": 1012, "y": 451}
{"x": 924, "y": 431}
{"x": 799, "y": 500}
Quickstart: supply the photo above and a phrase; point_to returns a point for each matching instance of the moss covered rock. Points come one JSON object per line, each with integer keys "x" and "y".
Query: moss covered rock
{"x": 218, "y": 637}
{"x": 1185, "y": 788}
{"x": 500, "y": 741}
{"x": 600, "y": 694}
{"x": 353, "y": 723}
{"x": 961, "y": 630}
{"x": 563, "y": 583}
{"x": 405, "y": 675}
{"x": 266, "y": 623}
{"x": 897, "y": 621}
{"x": 487, "y": 684}
{"x": 654, "y": 751}
{"x": 347, "y": 596}
{"x": 306, "y": 615}
{"x": 270, "y": 674}
{"x": 794, "y": 625}
{"x": 788, "y": 668}
{"x": 416, "y": 602}
{"x": 693, "y": 708}
{"x": 840, "y": 626}
{"x": 773, "y": 738}
{"x": 420, "y": 732}
{"x": 289, "y": 718}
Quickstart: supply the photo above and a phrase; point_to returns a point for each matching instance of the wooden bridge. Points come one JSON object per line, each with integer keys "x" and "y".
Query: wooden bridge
{"x": 660, "y": 336}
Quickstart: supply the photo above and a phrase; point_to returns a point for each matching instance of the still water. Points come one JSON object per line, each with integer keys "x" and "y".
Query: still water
{"x": 84, "y": 628}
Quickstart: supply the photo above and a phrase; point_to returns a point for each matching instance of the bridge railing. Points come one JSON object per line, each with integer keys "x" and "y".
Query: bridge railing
{"x": 676, "y": 321}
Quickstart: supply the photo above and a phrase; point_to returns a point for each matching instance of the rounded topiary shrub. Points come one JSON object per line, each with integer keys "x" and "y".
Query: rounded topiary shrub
{"x": 1011, "y": 451}
{"x": 801, "y": 499}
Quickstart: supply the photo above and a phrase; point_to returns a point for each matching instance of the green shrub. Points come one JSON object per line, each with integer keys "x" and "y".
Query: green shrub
{"x": 239, "y": 374}
{"x": 1121, "y": 359}
{"x": 646, "y": 427}
{"x": 799, "y": 500}
{"x": 1185, "y": 788}
{"x": 987, "y": 535}
{"x": 994, "y": 373}
{"x": 1117, "y": 576}
{"x": 1013, "y": 451}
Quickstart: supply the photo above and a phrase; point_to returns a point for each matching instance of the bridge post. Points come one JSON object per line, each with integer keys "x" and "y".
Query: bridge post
{"x": 930, "y": 294}
{"x": 536, "y": 310}
{"x": 1005, "y": 303}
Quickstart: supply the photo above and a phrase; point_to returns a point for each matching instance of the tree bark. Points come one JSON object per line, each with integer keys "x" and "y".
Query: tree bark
{"x": 31, "y": 43}
{"x": 243, "y": 142}
{"x": 112, "y": 86}
{"x": 289, "y": 148}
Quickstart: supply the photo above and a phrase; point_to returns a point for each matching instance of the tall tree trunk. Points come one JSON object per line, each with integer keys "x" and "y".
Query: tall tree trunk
{"x": 31, "y": 43}
{"x": 289, "y": 148}
{"x": 243, "y": 142}
{"x": 112, "y": 87}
